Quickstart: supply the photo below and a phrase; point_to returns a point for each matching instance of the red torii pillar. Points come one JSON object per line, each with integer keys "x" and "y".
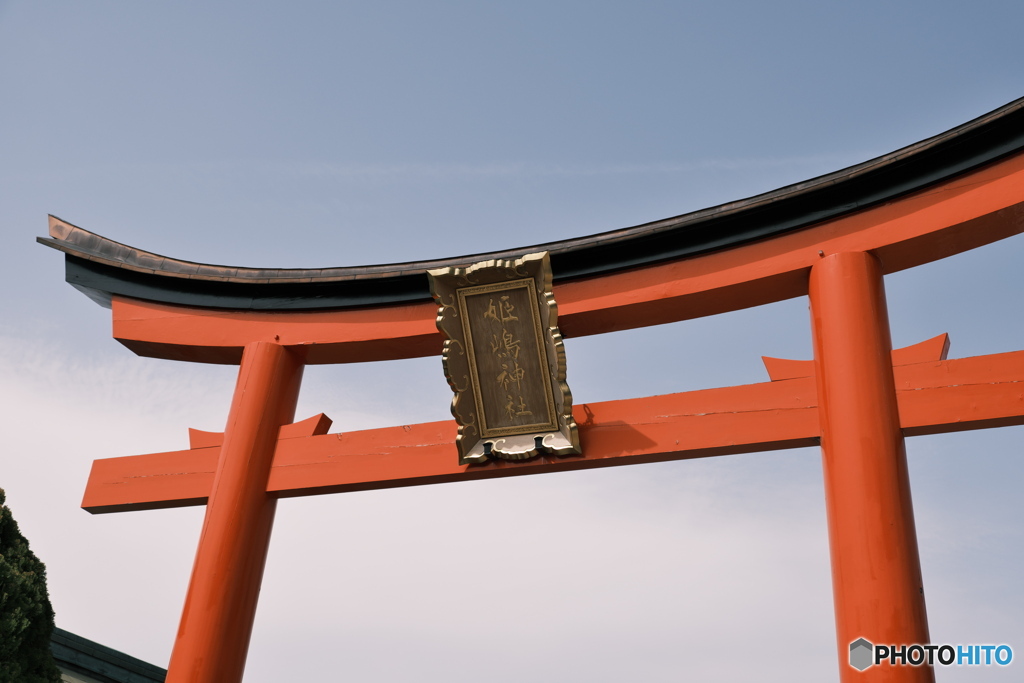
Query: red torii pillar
{"x": 220, "y": 607}
{"x": 876, "y": 568}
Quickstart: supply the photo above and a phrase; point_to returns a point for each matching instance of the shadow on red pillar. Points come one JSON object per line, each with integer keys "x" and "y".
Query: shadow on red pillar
{"x": 876, "y": 569}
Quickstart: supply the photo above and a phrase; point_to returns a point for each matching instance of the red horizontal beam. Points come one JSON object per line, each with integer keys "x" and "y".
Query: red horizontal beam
{"x": 934, "y": 397}
{"x": 968, "y": 211}
{"x": 694, "y": 424}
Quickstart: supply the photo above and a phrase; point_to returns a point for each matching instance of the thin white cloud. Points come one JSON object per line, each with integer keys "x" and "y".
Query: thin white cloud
{"x": 436, "y": 171}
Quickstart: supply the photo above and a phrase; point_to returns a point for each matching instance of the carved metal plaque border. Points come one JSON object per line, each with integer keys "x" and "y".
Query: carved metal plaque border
{"x": 549, "y": 428}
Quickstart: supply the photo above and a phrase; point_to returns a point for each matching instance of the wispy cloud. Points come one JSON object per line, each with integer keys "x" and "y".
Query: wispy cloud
{"x": 608, "y": 565}
{"x": 528, "y": 169}
{"x": 440, "y": 171}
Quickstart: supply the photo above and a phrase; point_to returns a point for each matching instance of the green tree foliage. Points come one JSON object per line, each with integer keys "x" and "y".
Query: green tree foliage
{"x": 26, "y": 617}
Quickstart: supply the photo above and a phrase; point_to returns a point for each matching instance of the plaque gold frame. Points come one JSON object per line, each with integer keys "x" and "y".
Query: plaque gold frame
{"x": 504, "y": 359}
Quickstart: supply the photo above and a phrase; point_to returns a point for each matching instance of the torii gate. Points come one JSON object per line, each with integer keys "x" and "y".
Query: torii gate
{"x": 832, "y": 238}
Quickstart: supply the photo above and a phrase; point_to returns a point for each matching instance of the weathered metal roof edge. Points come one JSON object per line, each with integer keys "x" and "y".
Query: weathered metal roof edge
{"x": 102, "y": 267}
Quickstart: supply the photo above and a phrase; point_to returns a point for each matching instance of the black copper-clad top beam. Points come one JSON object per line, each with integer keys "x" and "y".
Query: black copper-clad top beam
{"x": 101, "y": 267}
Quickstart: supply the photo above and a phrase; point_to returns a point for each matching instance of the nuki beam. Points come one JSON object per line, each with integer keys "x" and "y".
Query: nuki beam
{"x": 935, "y": 396}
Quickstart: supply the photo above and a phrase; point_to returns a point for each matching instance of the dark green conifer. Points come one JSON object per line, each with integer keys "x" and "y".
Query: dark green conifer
{"x": 26, "y": 617}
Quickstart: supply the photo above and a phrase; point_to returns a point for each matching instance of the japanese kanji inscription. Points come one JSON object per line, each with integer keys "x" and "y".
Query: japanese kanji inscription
{"x": 504, "y": 359}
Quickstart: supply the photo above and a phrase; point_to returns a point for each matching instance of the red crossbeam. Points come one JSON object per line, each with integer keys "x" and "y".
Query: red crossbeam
{"x": 934, "y": 396}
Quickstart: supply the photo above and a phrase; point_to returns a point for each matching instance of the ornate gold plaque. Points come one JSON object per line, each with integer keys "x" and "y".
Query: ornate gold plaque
{"x": 505, "y": 360}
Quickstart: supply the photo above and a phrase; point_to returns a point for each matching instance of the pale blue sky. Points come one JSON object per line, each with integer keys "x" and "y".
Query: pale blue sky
{"x": 324, "y": 133}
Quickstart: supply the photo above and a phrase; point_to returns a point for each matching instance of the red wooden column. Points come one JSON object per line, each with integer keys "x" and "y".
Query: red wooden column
{"x": 216, "y": 623}
{"x": 876, "y": 570}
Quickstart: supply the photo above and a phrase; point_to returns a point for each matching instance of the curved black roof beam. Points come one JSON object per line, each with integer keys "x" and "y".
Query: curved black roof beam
{"x": 101, "y": 267}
